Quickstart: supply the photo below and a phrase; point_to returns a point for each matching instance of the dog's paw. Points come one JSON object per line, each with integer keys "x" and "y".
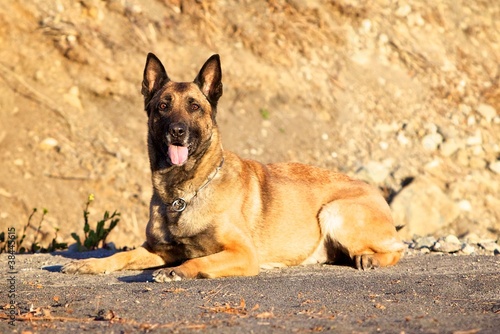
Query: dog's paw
{"x": 88, "y": 266}
{"x": 167, "y": 275}
{"x": 366, "y": 261}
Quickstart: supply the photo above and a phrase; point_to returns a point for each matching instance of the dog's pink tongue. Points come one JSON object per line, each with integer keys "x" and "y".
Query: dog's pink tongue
{"x": 178, "y": 154}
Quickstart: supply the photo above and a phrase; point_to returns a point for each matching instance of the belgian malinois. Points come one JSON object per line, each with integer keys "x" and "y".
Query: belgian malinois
{"x": 214, "y": 214}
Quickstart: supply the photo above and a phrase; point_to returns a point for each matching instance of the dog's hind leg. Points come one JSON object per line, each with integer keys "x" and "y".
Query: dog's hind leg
{"x": 363, "y": 230}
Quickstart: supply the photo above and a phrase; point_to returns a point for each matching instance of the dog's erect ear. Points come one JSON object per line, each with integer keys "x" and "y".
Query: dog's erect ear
{"x": 155, "y": 77}
{"x": 209, "y": 79}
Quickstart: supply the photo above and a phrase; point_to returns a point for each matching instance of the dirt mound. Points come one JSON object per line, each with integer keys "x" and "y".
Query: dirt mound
{"x": 386, "y": 91}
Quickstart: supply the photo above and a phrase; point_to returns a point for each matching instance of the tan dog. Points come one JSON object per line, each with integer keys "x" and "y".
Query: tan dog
{"x": 215, "y": 214}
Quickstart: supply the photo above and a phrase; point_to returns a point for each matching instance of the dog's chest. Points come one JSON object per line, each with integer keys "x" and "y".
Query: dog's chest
{"x": 184, "y": 246}
{"x": 191, "y": 236}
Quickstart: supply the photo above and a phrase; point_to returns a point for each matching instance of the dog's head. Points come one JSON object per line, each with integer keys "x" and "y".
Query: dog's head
{"x": 181, "y": 115}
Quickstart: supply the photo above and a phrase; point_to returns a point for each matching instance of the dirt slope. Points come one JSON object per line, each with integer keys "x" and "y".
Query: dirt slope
{"x": 409, "y": 87}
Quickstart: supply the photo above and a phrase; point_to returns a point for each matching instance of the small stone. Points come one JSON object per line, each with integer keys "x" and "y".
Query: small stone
{"x": 415, "y": 19}
{"x": 452, "y": 239}
{"x": 449, "y": 147}
{"x": 477, "y": 139}
{"x": 487, "y": 111}
{"x": 48, "y": 143}
{"x": 73, "y": 97}
{"x": 402, "y": 139}
{"x": 403, "y": 11}
{"x": 477, "y": 151}
{"x": 383, "y": 39}
{"x": 384, "y": 145}
{"x": 374, "y": 171}
{"x": 462, "y": 157}
{"x": 135, "y": 9}
{"x": 425, "y": 242}
{"x": 490, "y": 246}
{"x": 72, "y": 39}
{"x": 5, "y": 193}
{"x": 367, "y": 25}
{"x": 387, "y": 127}
{"x": 472, "y": 238}
{"x": 447, "y": 247}
{"x": 423, "y": 208}
{"x": 495, "y": 166}
{"x": 464, "y": 109}
{"x": 465, "y": 205}
{"x": 425, "y": 250}
{"x": 432, "y": 141}
{"x": 468, "y": 249}
{"x": 39, "y": 76}
{"x": 477, "y": 163}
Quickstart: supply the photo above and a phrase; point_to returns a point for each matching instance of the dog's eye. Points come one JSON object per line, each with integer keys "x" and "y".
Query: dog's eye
{"x": 195, "y": 106}
{"x": 162, "y": 106}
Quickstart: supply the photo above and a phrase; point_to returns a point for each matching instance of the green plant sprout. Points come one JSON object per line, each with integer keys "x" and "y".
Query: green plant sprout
{"x": 94, "y": 238}
{"x": 35, "y": 246}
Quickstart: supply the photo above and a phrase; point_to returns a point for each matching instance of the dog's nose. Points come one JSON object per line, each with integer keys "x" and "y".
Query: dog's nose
{"x": 177, "y": 130}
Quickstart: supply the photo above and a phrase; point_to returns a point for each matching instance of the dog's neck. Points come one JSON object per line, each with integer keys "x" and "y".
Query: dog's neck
{"x": 179, "y": 204}
{"x": 174, "y": 182}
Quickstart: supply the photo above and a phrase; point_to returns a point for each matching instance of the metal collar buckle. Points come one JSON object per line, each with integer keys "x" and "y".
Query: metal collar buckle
{"x": 180, "y": 204}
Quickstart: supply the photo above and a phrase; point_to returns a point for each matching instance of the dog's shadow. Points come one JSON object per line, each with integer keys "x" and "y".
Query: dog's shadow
{"x": 141, "y": 277}
{"x": 146, "y": 276}
{"x": 74, "y": 255}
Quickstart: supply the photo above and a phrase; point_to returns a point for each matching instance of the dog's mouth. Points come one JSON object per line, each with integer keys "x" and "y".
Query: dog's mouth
{"x": 178, "y": 154}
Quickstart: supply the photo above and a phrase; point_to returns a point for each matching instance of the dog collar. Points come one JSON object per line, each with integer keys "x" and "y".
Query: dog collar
{"x": 180, "y": 204}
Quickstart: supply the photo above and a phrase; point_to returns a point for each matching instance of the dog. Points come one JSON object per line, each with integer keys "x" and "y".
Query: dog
{"x": 214, "y": 214}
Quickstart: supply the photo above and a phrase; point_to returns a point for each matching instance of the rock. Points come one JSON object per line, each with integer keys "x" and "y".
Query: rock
{"x": 452, "y": 239}
{"x": 403, "y": 11}
{"x": 425, "y": 242}
{"x": 487, "y": 111}
{"x": 471, "y": 120}
{"x": 73, "y": 97}
{"x": 48, "y": 144}
{"x": 477, "y": 163}
{"x": 432, "y": 141}
{"x": 449, "y": 147}
{"x": 373, "y": 171}
{"x": 402, "y": 139}
{"x": 490, "y": 246}
{"x": 423, "y": 208}
{"x": 446, "y": 247}
{"x": 476, "y": 139}
{"x": 468, "y": 249}
{"x": 495, "y": 166}
{"x": 462, "y": 157}
{"x": 465, "y": 205}
{"x": 5, "y": 193}
{"x": 450, "y": 244}
{"x": 472, "y": 238}
{"x": 436, "y": 169}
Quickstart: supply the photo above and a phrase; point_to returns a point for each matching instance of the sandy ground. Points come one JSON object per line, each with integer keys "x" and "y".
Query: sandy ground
{"x": 422, "y": 294}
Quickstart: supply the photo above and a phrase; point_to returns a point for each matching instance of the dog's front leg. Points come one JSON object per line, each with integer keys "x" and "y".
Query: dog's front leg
{"x": 222, "y": 264}
{"x": 139, "y": 258}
